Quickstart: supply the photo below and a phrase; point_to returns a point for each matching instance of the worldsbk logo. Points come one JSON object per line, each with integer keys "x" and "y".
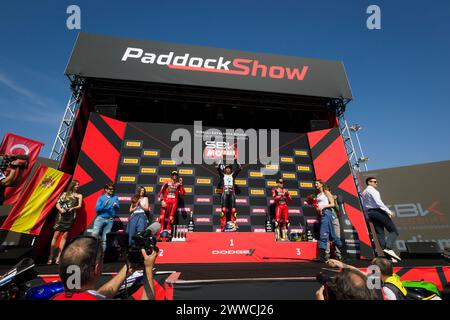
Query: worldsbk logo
{"x": 217, "y": 150}
{"x": 237, "y": 66}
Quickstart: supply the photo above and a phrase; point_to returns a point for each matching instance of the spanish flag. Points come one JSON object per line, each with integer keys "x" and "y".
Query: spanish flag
{"x": 38, "y": 200}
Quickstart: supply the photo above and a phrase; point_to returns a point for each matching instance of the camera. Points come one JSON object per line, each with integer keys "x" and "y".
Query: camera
{"x": 327, "y": 282}
{"x": 142, "y": 240}
{"x": 7, "y": 159}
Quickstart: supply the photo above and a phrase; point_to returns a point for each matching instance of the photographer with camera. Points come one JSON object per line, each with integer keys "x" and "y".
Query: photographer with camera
{"x": 81, "y": 267}
{"x": 391, "y": 284}
{"x": 9, "y": 171}
{"x": 349, "y": 284}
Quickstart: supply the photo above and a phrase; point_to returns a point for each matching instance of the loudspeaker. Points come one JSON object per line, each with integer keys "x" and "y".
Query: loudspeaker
{"x": 423, "y": 250}
{"x": 319, "y": 125}
{"x": 107, "y": 110}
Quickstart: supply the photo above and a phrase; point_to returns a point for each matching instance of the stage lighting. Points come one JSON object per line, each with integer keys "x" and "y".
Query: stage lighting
{"x": 363, "y": 159}
{"x": 355, "y": 127}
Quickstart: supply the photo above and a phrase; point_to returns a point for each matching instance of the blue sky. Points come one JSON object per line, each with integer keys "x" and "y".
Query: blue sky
{"x": 399, "y": 74}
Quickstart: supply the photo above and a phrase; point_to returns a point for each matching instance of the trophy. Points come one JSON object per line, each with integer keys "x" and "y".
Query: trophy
{"x": 191, "y": 225}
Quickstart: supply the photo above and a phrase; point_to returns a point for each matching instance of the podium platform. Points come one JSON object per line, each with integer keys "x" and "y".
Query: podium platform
{"x": 234, "y": 247}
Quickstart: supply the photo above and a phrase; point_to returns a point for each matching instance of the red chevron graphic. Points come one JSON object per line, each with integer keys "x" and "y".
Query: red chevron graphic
{"x": 315, "y": 136}
{"x": 348, "y": 185}
{"x": 330, "y": 160}
{"x": 117, "y": 126}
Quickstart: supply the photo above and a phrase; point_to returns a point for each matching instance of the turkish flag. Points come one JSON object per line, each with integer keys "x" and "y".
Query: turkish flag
{"x": 14, "y": 144}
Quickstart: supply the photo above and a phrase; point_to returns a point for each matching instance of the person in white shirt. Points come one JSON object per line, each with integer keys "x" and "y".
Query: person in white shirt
{"x": 380, "y": 216}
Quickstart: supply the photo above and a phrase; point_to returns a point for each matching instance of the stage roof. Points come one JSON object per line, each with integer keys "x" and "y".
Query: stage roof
{"x": 97, "y": 56}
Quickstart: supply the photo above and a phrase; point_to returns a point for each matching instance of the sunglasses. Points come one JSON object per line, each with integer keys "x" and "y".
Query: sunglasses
{"x": 374, "y": 181}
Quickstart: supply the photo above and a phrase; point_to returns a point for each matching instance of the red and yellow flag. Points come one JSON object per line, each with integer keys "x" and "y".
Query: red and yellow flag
{"x": 39, "y": 198}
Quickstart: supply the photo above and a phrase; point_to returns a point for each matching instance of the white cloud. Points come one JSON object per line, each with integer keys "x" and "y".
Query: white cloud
{"x": 25, "y": 93}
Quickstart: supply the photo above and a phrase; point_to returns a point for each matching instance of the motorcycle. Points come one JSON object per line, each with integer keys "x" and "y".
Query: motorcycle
{"x": 15, "y": 284}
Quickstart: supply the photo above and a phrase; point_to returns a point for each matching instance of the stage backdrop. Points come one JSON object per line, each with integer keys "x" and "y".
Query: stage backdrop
{"x": 419, "y": 197}
{"x": 146, "y": 161}
{"x": 139, "y": 154}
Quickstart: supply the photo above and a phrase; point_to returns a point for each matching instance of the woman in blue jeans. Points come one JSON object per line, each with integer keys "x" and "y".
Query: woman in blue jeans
{"x": 325, "y": 203}
{"x": 138, "y": 221}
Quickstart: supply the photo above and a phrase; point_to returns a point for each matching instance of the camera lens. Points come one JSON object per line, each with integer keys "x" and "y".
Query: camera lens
{"x": 322, "y": 278}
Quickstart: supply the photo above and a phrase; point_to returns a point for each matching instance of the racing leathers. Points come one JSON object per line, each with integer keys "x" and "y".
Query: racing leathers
{"x": 170, "y": 191}
{"x": 281, "y": 197}
{"x": 228, "y": 198}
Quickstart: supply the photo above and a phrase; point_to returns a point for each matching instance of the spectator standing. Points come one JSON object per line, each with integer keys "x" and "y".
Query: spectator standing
{"x": 67, "y": 206}
{"x": 138, "y": 221}
{"x": 106, "y": 208}
{"x": 381, "y": 217}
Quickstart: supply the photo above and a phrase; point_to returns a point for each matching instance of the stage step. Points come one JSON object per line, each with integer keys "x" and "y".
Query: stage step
{"x": 234, "y": 247}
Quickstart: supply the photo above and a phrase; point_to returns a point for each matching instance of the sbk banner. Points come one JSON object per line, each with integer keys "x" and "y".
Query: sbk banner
{"x": 39, "y": 198}
{"x": 14, "y": 144}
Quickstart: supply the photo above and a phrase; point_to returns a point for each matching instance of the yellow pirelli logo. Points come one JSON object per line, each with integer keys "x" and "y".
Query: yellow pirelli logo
{"x": 271, "y": 183}
{"x": 133, "y": 143}
{"x": 149, "y": 189}
{"x": 130, "y": 160}
{"x": 287, "y": 159}
{"x": 168, "y": 162}
{"x": 203, "y": 181}
{"x": 127, "y": 179}
{"x": 188, "y": 189}
{"x": 256, "y": 174}
{"x": 257, "y": 192}
{"x": 186, "y": 171}
{"x": 272, "y": 166}
{"x": 218, "y": 190}
{"x": 148, "y": 170}
{"x": 164, "y": 179}
{"x": 293, "y": 193}
{"x": 241, "y": 182}
{"x": 151, "y": 153}
{"x": 301, "y": 153}
{"x": 306, "y": 184}
{"x": 303, "y": 168}
{"x": 289, "y": 175}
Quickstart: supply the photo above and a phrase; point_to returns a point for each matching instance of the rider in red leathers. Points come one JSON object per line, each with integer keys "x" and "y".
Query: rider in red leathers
{"x": 169, "y": 193}
{"x": 281, "y": 197}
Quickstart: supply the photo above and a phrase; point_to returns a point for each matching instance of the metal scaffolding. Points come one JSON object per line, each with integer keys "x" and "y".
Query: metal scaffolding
{"x": 356, "y": 158}
{"x": 66, "y": 125}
